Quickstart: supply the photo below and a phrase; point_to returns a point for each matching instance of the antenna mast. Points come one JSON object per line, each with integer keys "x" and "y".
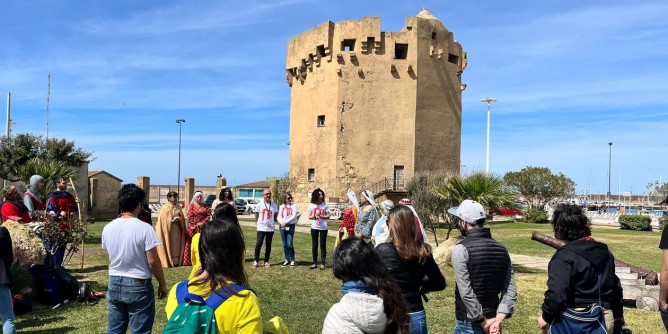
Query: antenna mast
{"x": 48, "y": 96}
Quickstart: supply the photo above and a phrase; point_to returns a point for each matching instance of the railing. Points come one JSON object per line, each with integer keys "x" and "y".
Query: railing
{"x": 384, "y": 185}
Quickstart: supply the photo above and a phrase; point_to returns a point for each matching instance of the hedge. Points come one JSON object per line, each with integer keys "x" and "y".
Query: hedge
{"x": 536, "y": 216}
{"x": 635, "y": 222}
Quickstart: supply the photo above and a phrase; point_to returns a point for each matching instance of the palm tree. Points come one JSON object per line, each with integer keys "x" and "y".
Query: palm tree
{"x": 484, "y": 188}
{"x": 48, "y": 169}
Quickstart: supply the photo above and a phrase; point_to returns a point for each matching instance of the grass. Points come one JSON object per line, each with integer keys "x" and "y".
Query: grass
{"x": 302, "y": 297}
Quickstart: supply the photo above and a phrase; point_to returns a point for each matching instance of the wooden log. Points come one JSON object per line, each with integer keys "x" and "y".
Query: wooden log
{"x": 651, "y": 278}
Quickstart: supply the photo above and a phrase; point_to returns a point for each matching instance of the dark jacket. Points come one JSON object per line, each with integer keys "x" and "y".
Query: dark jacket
{"x": 6, "y": 256}
{"x": 411, "y": 276}
{"x": 573, "y": 279}
{"x": 488, "y": 266}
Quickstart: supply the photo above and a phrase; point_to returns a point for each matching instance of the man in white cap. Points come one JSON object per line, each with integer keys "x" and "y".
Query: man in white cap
{"x": 367, "y": 216}
{"x": 483, "y": 272}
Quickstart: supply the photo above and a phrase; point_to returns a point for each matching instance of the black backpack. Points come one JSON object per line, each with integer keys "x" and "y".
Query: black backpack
{"x": 54, "y": 285}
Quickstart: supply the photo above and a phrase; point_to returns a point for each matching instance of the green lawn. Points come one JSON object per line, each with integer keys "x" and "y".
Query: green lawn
{"x": 302, "y": 297}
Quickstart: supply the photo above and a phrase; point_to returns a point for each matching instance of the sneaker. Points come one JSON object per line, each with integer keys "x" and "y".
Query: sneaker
{"x": 292, "y": 264}
{"x": 285, "y": 263}
{"x": 267, "y": 265}
{"x": 322, "y": 267}
{"x": 313, "y": 266}
{"x": 254, "y": 264}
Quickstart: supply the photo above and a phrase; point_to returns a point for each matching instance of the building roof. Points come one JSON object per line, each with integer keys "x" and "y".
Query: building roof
{"x": 425, "y": 14}
{"x": 259, "y": 184}
{"x": 92, "y": 173}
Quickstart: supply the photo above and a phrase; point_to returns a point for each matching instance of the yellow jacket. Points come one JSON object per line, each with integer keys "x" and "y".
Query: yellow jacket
{"x": 239, "y": 314}
{"x": 194, "y": 256}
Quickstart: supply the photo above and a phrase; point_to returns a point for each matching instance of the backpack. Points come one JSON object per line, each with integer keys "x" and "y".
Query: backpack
{"x": 195, "y": 314}
{"x": 54, "y": 285}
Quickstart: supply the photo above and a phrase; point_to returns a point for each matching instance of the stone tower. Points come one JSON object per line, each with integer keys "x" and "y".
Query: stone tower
{"x": 368, "y": 106}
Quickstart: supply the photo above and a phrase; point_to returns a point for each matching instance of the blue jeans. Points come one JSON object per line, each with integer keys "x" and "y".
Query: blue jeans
{"x": 6, "y": 310}
{"x": 468, "y": 327}
{"x": 418, "y": 322}
{"x": 130, "y": 301}
{"x": 288, "y": 236}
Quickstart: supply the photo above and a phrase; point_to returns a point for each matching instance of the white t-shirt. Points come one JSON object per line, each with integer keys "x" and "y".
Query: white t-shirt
{"x": 287, "y": 214}
{"x": 318, "y": 223}
{"x": 265, "y": 217}
{"x": 127, "y": 240}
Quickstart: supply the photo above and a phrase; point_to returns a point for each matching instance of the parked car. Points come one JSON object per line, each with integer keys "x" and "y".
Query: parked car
{"x": 209, "y": 200}
{"x": 245, "y": 206}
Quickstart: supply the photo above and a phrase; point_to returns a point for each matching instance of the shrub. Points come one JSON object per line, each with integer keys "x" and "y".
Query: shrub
{"x": 635, "y": 222}
{"x": 536, "y": 216}
{"x": 663, "y": 221}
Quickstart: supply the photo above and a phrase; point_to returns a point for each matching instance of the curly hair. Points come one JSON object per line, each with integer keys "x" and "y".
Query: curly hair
{"x": 570, "y": 223}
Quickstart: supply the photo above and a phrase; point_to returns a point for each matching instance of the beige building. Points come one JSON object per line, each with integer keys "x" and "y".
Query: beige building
{"x": 369, "y": 109}
{"x": 103, "y": 189}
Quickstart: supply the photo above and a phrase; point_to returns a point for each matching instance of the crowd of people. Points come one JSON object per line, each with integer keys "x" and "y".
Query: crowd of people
{"x": 384, "y": 261}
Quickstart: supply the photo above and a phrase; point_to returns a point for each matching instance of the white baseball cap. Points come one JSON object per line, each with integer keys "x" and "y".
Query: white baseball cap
{"x": 469, "y": 211}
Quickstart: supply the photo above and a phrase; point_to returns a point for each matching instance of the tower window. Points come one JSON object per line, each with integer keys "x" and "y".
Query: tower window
{"x": 400, "y": 51}
{"x": 311, "y": 175}
{"x": 321, "y": 121}
{"x": 433, "y": 35}
{"x": 320, "y": 50}
{"x": 454, "y": 59}
{"x": 348, "y": 45}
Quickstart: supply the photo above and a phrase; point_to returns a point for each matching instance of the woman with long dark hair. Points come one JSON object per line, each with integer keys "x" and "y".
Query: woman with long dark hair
{"x": 318, "y": 213}
{"x": 222, "y": 250}
{"x": 372, "y": 301}
{"x": 224, "y": 196}
{"x": 224, "y": 212}
{"x": 411, "y": 263}
{"x": 580, "y": 276}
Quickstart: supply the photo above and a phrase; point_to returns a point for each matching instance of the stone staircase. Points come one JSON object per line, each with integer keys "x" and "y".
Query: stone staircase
{"x": 646, "y": 297}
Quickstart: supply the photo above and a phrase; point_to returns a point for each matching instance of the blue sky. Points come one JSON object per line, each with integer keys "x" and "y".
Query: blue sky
{"x": 569, "y": 77}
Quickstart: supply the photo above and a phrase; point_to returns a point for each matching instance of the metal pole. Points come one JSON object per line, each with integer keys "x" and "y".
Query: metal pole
{"x": 609, "y": 171}
{"x": 9, "y": 112}
{"x": 9, "y": 133}
{"x": 178, "y": 181}
{"x": 489, "y": 101}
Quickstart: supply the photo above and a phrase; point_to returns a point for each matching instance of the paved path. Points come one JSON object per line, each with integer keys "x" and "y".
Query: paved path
{"x": 535, "y": 262}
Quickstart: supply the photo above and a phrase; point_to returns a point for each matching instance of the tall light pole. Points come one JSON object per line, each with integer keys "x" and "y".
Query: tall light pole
{"x": 609, "y": 172}
{"x": 489, "y": 101}
{"x": 178, "y": 181}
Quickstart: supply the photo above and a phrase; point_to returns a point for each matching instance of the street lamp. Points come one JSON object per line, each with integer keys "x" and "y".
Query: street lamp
{"x": 609, "y": 173}
{"x": 489, "y": 101}
{"x": 178, "y": 181}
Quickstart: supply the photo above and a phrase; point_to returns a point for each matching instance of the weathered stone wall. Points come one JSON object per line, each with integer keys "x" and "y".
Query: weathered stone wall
{"x": 383, "y": 107}
{"x": 103, "y": 196}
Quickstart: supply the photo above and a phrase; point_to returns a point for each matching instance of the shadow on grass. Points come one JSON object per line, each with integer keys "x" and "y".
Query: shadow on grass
{"x": 30, "y": 320}
{"x": 58, "y": 330}
{"x": 89, "y": 269}
{"x": 527, "y": 270}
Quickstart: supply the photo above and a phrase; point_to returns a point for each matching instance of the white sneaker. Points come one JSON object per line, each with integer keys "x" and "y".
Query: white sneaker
{"x": 254, "y": 264}
{"x": 292, "y": 264}
{"x": 285, "y": 263}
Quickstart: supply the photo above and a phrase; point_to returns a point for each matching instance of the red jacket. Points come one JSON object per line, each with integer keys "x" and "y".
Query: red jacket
{"x": 15, "y": 209}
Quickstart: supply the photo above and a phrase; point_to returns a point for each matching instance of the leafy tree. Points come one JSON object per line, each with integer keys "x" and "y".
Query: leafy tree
{"x": 484, "y": 188}
{"x": 18, "y": 150}
{"x": 285, "y": 184}
{"x": 539, "y": 185}
{"x": 659, "y": 189}
{"x": 422, "y": 191}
